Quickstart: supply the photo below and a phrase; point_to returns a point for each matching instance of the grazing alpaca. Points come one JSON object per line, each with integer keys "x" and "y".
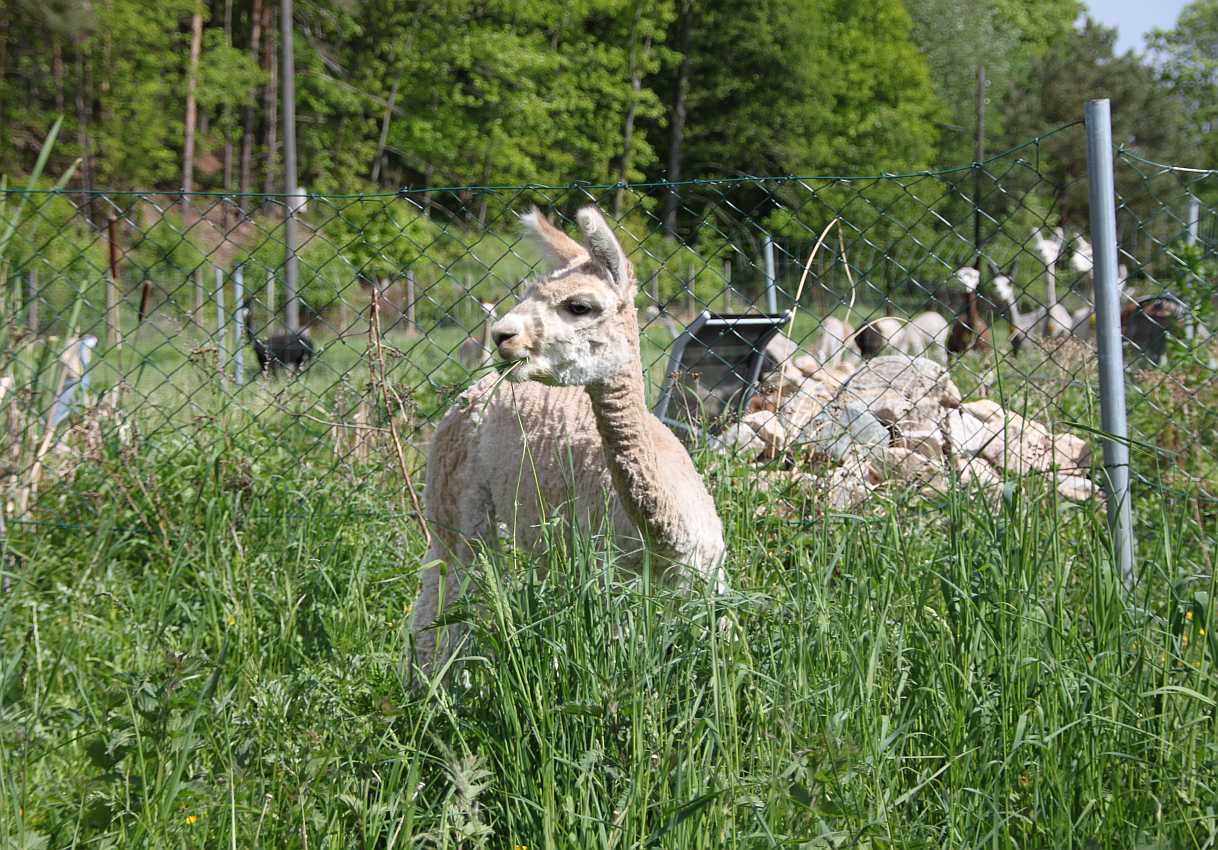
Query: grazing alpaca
{"x": 291, "y": 350}
{"x": 569, "y": 427}
{"x": 877, "y": 335}
{"x": 969, "y": 330}
{"x": 925, "y": 336}
{"x": 478, "y": 350}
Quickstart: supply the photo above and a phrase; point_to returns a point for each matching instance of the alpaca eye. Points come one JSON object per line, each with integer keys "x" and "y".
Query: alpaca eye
{"x": 578, "y": 308}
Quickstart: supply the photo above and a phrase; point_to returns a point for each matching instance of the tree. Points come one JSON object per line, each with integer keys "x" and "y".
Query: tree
{"x": 1081, "y": 66}
{"x": 1187, "y": 58}
{"x": 1006, "y": 37}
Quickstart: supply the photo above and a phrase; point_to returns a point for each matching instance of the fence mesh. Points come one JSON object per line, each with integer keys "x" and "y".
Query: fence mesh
{"x": 156, "y": 323}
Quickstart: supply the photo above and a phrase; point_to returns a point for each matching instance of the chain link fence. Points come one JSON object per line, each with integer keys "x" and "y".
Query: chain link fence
{"x": 935, "y": 329}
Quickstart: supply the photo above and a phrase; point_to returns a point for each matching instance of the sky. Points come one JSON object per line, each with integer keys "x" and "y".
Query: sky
{"x": 1133, "y": 18}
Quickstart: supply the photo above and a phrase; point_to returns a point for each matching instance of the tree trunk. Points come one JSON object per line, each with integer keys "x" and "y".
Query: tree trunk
{"x": 271, "y": 58}
{"x": 247, "y": 118}
{"x": 380, "y": 145}
{"x": 677, "y": 124}
{"x": 57, "y": 74}
{"x": 636, "y": 86}
{"x": 227, "y": 129}
{"x": 192, "y": 73}
{"x": 83, "y": 96}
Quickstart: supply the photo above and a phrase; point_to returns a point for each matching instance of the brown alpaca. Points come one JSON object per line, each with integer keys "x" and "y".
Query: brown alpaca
{"x": 969, "y": 331}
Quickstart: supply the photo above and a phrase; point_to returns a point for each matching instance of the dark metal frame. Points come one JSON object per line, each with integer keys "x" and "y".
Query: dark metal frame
{"x": 755, "y": 329}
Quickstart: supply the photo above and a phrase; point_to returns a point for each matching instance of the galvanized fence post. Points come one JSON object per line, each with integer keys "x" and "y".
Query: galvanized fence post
{"x": 771, "y": 294}
{"x": 238, "y": 325}
{"x": 221, "y": 324}
{"x": 1101, "y": 183}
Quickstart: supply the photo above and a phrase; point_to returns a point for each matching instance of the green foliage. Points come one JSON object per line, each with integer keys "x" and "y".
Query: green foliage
{"x": 1079, "y": 67}
{"x": 1188, "y": 60}
{"x": 1195, "y": 273}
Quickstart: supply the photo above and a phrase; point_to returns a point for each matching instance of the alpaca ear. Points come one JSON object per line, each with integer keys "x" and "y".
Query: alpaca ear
{"x": 559, "y": 248}
{"x": 604, "y": 247}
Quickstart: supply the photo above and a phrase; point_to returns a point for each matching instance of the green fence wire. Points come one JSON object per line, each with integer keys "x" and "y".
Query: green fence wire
{"x": 153, "y": 323}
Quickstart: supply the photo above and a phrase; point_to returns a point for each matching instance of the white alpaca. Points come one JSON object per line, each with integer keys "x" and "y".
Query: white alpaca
{"x": 925, "y": 336}
{"x": 1022, "y": 324}
{"x": 833, "y": 342}
{"x": 1082, "y": 320}
{"x": 569, "y": 431}
{"x": 478, "y": 349}
{"x": 1055, "y": 319}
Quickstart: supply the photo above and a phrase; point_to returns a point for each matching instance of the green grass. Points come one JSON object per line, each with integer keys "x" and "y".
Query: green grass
{"x": 216, "y": 659}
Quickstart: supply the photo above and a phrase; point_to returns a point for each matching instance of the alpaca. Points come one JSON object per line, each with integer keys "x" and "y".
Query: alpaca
{"x": 477, "y": 350}
{"x": 925, "y": 336}
{"x": 569, "y": 426}
{"x": 291, "y": 350}
{"x": 1021, "y": 324}
{"x": 969, "y": 331}
{"x": 1147, "y": 324}
{"x": 877, "y": 335}
{"x": 1055, "y": 319}
{"x": 833, "y": 342}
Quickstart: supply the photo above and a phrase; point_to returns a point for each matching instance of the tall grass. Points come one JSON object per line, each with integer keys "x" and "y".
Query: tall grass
{"x": 216, "y": 659}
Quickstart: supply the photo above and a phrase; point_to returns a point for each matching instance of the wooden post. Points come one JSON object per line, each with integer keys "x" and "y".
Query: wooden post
{"x": 411, "y": 327}
{"x": 113, "y": 335}
{"x": 144, "y": 296}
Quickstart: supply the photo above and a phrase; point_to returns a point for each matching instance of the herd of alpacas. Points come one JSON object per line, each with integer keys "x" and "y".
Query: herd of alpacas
{"x": 568, "y": 413}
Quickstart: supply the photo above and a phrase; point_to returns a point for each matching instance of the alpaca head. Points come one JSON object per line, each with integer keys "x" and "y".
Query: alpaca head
{"x": 1081, "y": 260}
{"x": 1002, "y": 286}
{"x": 969, "y": 277}
{"x": 577, "y": 324}
{"x": 1050, "y": 250}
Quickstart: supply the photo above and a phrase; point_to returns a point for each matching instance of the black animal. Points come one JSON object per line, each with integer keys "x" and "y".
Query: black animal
{"x": 292, "y": 350}
{"x": 1146, "y": 325}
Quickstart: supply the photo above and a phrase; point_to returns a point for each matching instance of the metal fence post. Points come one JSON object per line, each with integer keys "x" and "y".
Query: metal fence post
{"x": 1101, "y": 182}
{"x": 221, "y": 324}
{"x": 771, "y": 296}
{"x": 238, "y": 325}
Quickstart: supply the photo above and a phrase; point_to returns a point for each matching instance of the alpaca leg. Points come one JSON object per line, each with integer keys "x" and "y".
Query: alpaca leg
{"x": 441, "y": 588}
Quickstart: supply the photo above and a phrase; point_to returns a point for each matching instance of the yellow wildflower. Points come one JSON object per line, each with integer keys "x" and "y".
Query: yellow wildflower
{"x": 191, "y": 820}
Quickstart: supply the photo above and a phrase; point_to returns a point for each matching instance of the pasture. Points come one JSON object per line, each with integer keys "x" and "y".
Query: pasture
{"x": 204, "y": 639}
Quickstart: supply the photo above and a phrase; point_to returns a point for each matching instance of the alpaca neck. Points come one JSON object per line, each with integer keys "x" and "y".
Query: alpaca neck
{"x": 620, "y": 410}
{"x": 1016, "y": 318}
{"x": 970, "y": 303}
{"x": 1050, "y": 297}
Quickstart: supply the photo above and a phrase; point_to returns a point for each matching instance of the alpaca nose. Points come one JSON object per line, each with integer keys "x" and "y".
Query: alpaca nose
{"x": 500, "y": 337}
